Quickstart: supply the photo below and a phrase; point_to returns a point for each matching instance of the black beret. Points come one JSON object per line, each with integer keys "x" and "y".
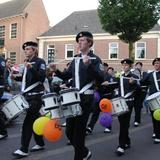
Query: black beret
{"x": 84, "y": 34}
{"x": 105, "y": 64}
{"x": 29, "y": 43}
{"x": 156, "y": 59}
{"x": 140, "y": 63}
{"x": 127, "y": 61}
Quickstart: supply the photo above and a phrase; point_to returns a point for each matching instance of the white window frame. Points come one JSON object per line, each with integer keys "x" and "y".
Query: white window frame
{"x": 136, "y": 50}
{"x": 13, "y": 59}
{"x": 16, "y": 31}
{"x": 117, "y": 47}
{"x": 48, "y": 47}
{"x": 2, "y": 31}
{"x": 66, "y": 50}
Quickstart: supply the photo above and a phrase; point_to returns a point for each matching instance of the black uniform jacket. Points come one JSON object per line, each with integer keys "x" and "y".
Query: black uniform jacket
{"x": 149, "y": 81}
{"x": 37, "y": 73}
{"x": 87, "y": 73}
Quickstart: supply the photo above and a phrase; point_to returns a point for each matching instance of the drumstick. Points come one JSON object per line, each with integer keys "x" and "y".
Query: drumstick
{"x": 91, "y": 58}
{"x": 109, "y": 83}
{"x": 130, "y": 77}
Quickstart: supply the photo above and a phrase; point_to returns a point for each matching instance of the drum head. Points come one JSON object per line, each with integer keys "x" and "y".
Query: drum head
{"x": 49, "y": 95}
{"x": 153, "y": 96}
{"x": 68, "y": 90}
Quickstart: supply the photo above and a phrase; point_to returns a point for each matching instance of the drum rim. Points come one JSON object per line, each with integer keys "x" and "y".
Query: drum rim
{"x": 68, "y": 90}
{"x": 70, "y": 103}
{"x": 9, "y": 100}
{"x": 49, "y": 94}
{"x": 150, "y": 97}
{"x": 51, "y": 108}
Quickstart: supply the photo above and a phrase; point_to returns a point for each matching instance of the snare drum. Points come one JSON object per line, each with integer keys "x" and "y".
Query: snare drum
{"x": 69, "y": 96}
{"x": 119, "y": 106}
{"x": 51, "y": 104}
{"x": 72, "y": 110}
{"x": 15, "y": 106}
{"x": 154, "y": 101}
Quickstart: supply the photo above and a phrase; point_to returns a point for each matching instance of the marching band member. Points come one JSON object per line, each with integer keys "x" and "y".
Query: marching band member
{"x": 127, "y": 86}
{"x": 3, "y": 130}
{"x": 7, "y": 73}
{"x": 105, "y": 91}
{"x": 153, "y": 83}
{"x": 83, "y": 70}
{"x": 32, "y": 86}
{"x": 140, "y": 94}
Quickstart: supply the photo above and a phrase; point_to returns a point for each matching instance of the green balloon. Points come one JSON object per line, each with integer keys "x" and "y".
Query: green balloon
{"x": 156, "y": 114}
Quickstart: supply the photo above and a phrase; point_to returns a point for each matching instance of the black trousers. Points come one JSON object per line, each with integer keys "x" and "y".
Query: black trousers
{"x": 3, "y": 129}
{"x": 138, "y": 105}
{"x": 94, "y": 115}
{"x": 35, "y": 103}
{"x": 124, "y": 121}
{"x": 96, "y": 112}
{"x": 156, "y": 126}
{"x": 76, "y": 128}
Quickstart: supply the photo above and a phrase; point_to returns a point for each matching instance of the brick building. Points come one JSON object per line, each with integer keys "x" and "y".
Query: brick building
{"x": 58, "y": 43}
{"x": 20, "y": 21}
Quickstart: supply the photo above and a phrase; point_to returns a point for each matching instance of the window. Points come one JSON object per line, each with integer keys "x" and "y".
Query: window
{"x": 140, "y": 50}
{"x": 13, "y": 57}
{"x": 13, "y": 30}
{"x": 113, "y": 50}
{"x": 2, "y": 32}
{"x": 51, "y": 53}
{"x": 69, "y": 51}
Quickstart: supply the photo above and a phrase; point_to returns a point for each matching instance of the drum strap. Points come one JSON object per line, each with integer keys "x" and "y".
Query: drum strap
{"x": 77, "y": 84}
{"x": 122, "y": 89}
{"x": 31, "y": 87}
{"x": 121, "y": 86}
{"x": 86, "y": 87}
{"x": 155, "y": 81}
{"x": 24, "y": 79}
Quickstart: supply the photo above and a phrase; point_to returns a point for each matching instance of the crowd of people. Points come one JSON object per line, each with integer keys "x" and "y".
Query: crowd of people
{"x": 87, "y": 73}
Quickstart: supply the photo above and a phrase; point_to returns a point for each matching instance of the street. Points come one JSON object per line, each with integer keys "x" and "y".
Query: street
{"x": 101, "y": 144}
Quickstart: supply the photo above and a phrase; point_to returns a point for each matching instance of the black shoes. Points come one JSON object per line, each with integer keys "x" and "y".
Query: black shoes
{"x": 36, "y": 148}
{"x": 3, "y": 136}
{"x": 120, "y": 151}
{"x": 127, "y": 146}
{"x": 88, "y": 156}
{"x": 107, "y": 130}
{"x": 88, "y": 131}
{"x": 156, "y": 141}
{"x": 20, "y": 154}
{"x": 136, "y": 124}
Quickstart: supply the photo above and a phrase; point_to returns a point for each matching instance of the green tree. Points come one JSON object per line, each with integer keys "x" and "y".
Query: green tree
{"x": 128, "y": 19}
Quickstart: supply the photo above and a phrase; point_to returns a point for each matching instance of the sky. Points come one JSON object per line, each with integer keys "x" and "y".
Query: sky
{"x": 57, "y": 10}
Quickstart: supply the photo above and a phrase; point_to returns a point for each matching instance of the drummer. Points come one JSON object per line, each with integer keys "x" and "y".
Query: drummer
{"x": 105, "y": 90}
{"x": 32, "y": 86}
{"x": 152, "y": 80}
{"x": 3, "y": 130}
{"x": 83, "y": 70}
{"x": 127, "y": 85}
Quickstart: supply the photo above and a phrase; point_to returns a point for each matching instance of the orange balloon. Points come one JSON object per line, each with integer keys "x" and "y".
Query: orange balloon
{"x": 52, "y": 130}
{"x": 105, "y": 105}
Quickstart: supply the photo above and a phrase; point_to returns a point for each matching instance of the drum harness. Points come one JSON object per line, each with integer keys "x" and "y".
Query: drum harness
{"x": 23, "y": 90}
{"x": 155, "y": 81}
{"x": 122, "y": 91}
{"x": 85, "y": 90}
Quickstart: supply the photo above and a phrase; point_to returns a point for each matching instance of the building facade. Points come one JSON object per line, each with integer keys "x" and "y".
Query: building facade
{"x": 58, "y": 43}
{"x": 20, "y": 21}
